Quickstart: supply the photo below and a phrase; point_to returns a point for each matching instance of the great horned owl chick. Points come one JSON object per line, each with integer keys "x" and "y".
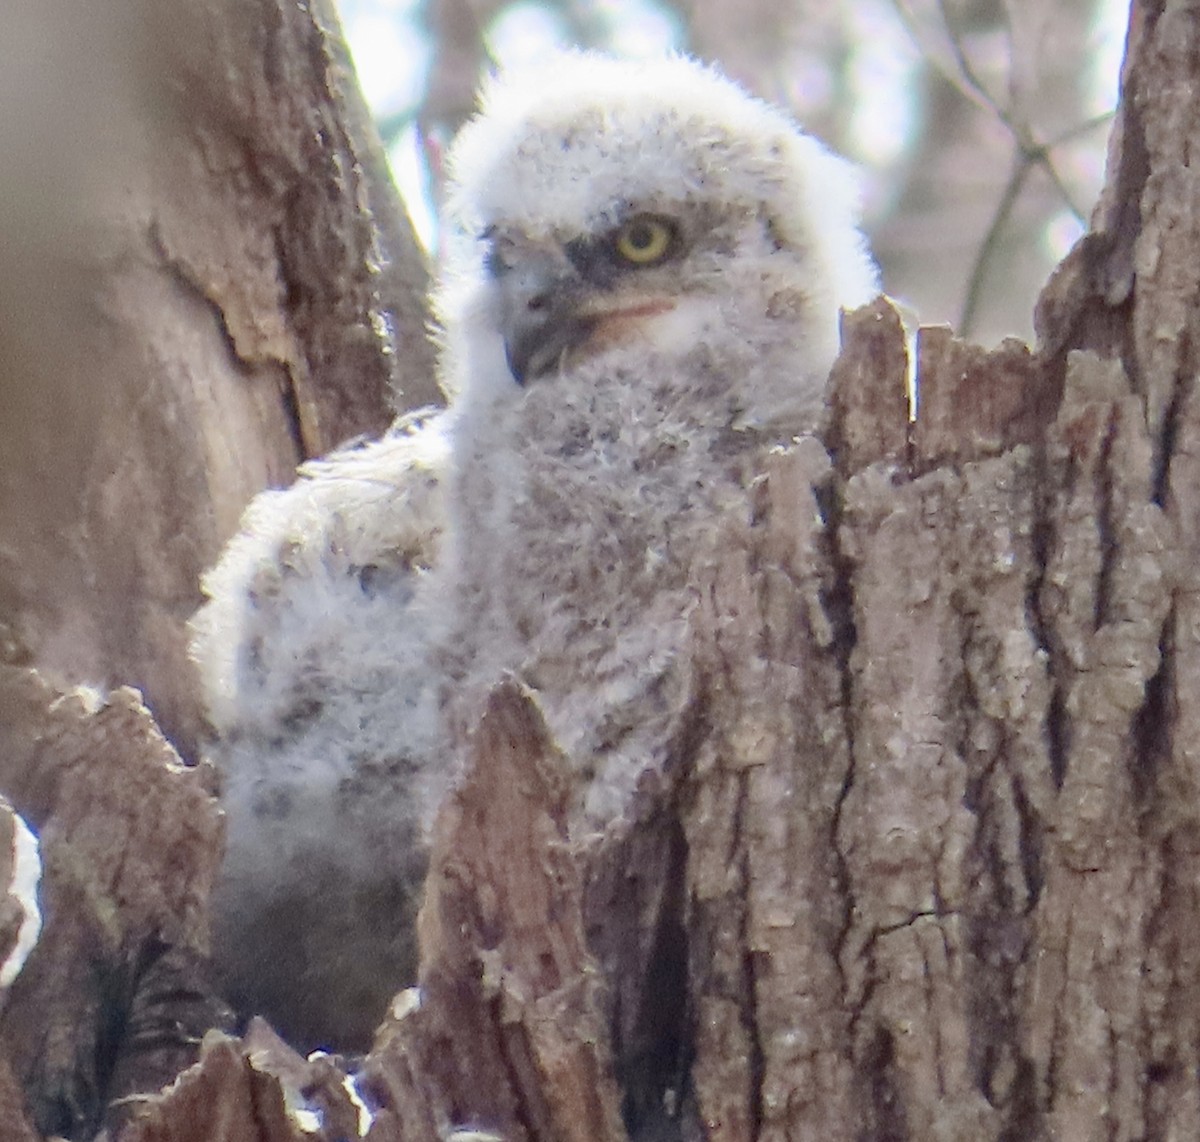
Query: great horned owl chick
{"x": 314, "y": 660}
{"x": 641, "y": 296}
{"x": 645, "y": 300}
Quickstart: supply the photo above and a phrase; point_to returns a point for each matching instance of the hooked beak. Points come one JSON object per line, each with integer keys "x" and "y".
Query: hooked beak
{"x": 541, "y": 318}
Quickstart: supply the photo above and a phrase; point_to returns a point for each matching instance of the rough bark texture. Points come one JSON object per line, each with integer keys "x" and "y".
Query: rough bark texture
{"x": 113, "y": 998}
{"x": 202, "y": 285}
{"x": 924, "y": 864}
{"x": 211, "y": 301}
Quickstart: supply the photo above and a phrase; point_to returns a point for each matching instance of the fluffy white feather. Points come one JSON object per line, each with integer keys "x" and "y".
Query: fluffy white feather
{"x": 581, "y": 500}
{"x": 25, "y": 864}
{"x": 606, "y": 412}
{"x": 314, "y": 657}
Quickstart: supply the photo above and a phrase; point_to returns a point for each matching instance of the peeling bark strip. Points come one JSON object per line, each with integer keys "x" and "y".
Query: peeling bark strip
{"x": 759, "y": 808}
{"x": 509, "y": 1036}
{"x": 112, "y": 999}
{"x": 220, "y": 294}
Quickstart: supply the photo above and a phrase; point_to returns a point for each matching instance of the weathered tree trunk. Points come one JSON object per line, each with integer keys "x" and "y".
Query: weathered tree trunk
{"x": 200, "y": 290}
{"x": 201, "y": 287}
{"x": 925, "y": 863}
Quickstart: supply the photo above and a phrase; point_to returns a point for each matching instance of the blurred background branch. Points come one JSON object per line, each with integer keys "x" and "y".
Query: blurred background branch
{"x": 979, "y": 124}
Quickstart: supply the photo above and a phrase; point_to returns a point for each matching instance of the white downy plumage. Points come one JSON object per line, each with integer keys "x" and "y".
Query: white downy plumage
{"x": 313, "y": 655}
{"x": 640, "y": 298}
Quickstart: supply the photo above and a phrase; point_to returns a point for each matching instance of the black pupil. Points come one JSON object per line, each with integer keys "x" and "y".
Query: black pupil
{"x": 641, "y": 235}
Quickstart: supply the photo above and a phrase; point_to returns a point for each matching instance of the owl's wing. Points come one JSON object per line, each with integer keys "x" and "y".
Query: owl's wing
{"x": 320, "y": 574}
{"x": 313, "y": 651}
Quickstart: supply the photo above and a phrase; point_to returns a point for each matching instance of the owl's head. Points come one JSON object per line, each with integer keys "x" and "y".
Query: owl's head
{"x": 601, "y": 207}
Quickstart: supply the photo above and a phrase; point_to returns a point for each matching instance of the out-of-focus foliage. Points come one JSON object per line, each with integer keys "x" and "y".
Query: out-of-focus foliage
{"x": 979, "y": 124}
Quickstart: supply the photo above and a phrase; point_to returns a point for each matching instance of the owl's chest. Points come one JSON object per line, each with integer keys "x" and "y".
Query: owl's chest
{"x": 582, "y": 560}
{"x": 617, "y": 502}
{"x": 609, "y": 516}
{"x": 587, "y": 525}
{"x": 610, "y": 528}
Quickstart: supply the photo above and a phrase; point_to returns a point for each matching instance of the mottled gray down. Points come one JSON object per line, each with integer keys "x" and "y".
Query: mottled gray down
{"x": 642, "y": 281}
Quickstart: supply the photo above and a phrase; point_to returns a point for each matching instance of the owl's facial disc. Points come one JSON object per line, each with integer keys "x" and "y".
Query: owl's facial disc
{"x": 541, "y": 319}
{"x": 560, "y": 302}
{"x": 553, "y": 327}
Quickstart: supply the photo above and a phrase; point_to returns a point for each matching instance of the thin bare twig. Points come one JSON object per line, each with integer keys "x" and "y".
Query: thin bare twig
{"x": 951, "y": 75}
{"x": 1028, "y": 151}
{"x": 966, "y": 69}
{"x": 1004, "y": 208}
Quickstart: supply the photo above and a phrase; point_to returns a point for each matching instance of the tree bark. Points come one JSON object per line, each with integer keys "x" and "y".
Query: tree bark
{"x": 924, "y": 862}
{"x": 202, "y": 290}
{"x": 202, "y": 287}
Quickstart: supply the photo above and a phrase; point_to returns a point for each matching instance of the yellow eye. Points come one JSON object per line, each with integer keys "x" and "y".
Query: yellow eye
{"x": 645, "y": 239}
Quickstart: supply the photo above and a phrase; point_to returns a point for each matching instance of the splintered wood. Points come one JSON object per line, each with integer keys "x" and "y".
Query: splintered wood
{"x": 925, "y": 861}
{"x": 914, "y": 870}
{"x": 905, "y": 876}
{"x": 112, "y": 1000}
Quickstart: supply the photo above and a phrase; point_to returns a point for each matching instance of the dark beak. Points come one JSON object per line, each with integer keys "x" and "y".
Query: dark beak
{"x": 541, "y": 321}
